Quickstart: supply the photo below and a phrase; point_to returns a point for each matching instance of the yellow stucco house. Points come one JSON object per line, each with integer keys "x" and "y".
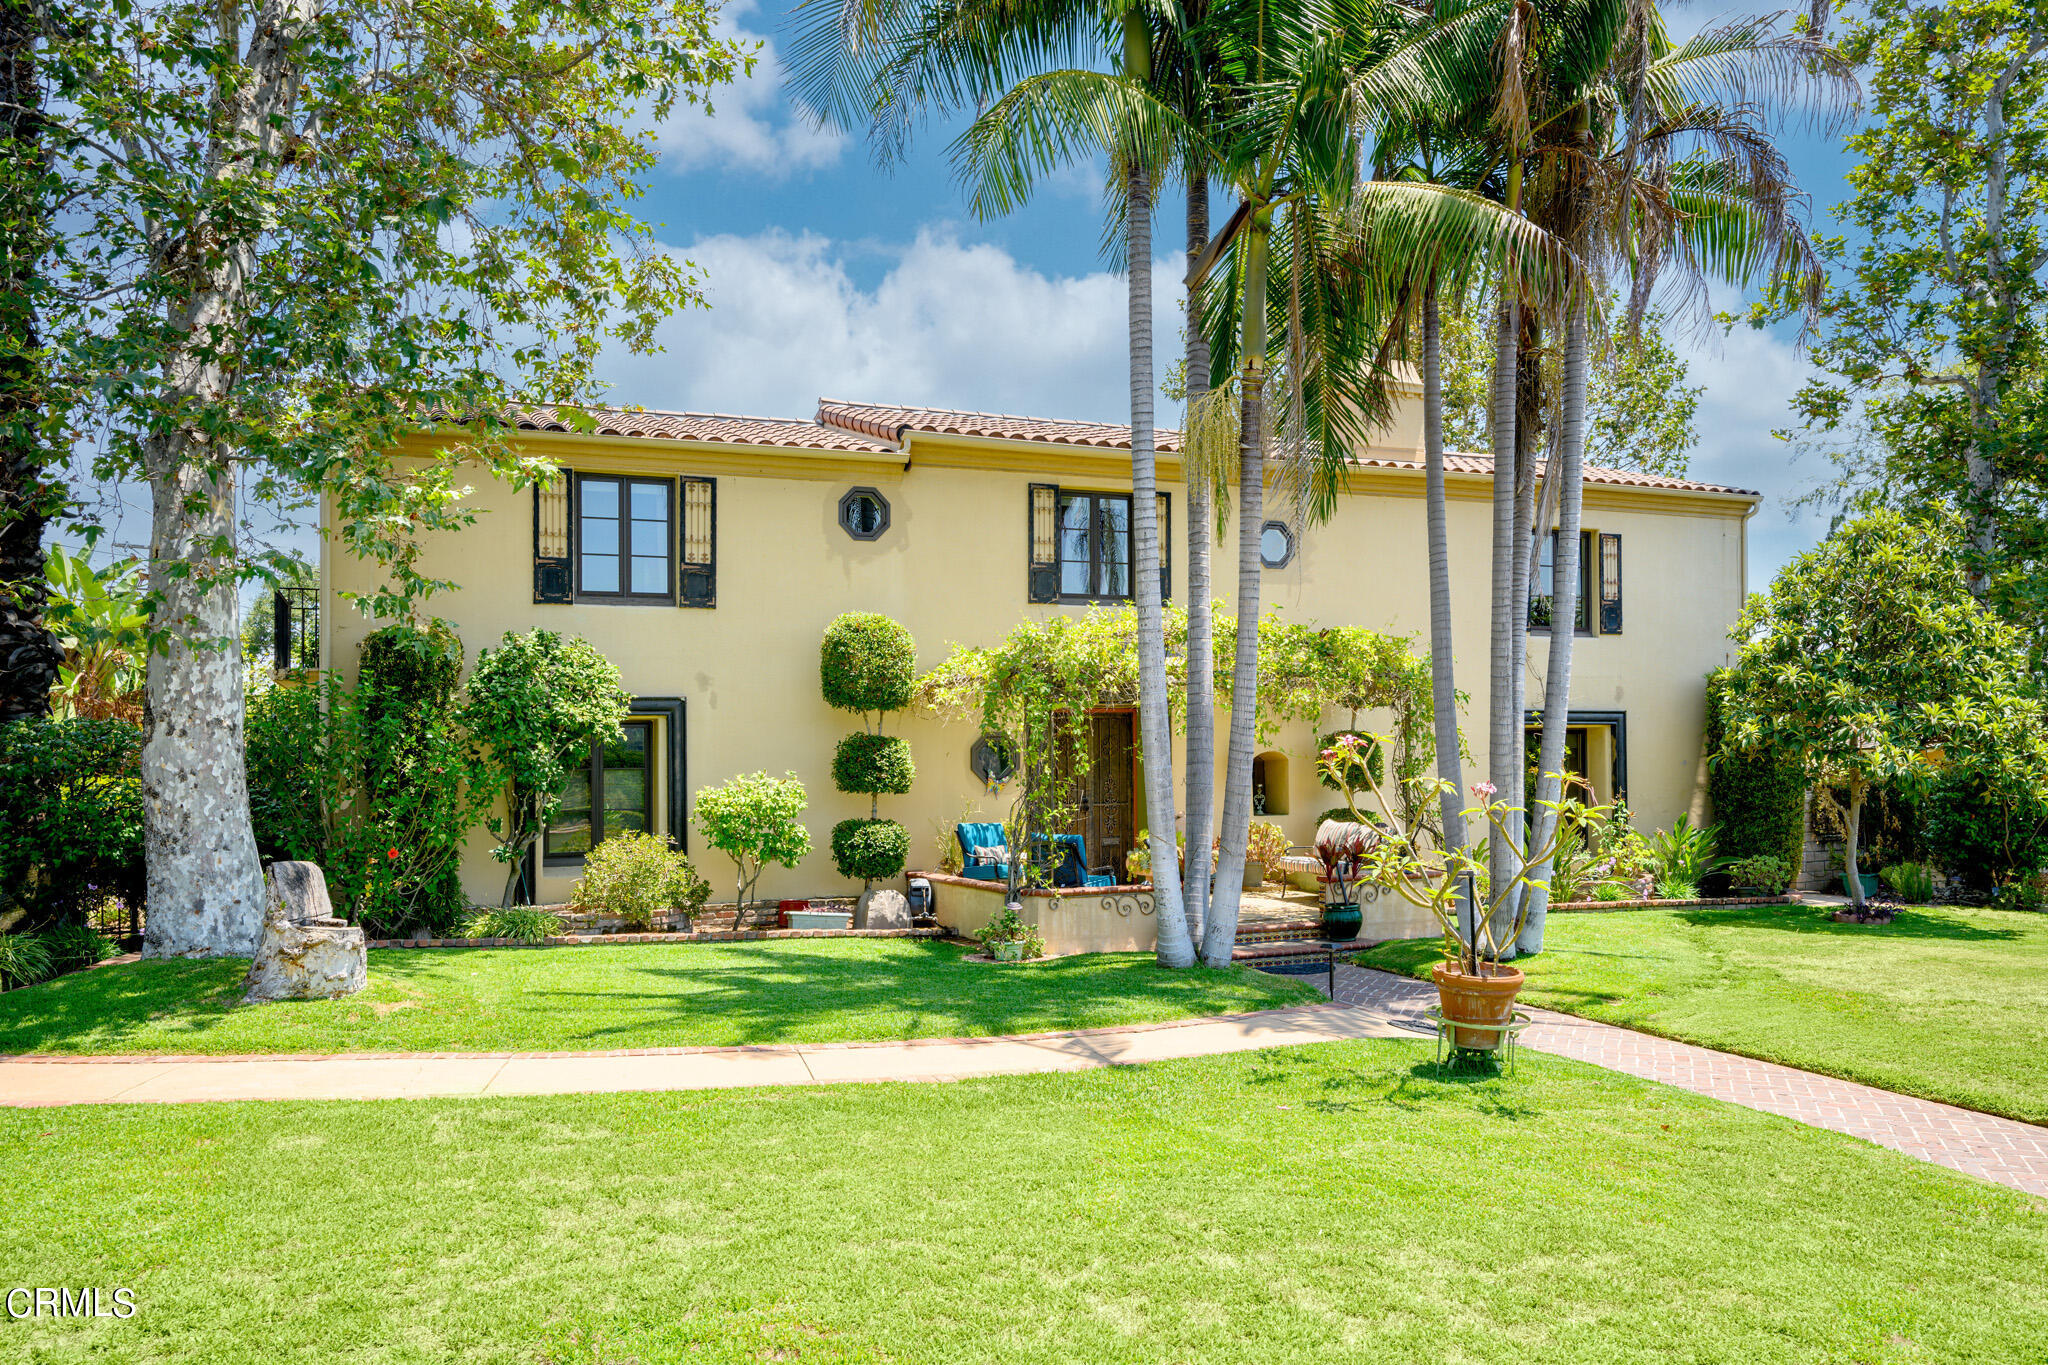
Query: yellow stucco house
{"x": 705, "y": 554}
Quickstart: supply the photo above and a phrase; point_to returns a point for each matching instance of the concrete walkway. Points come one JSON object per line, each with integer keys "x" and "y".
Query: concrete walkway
{"x": 1996, "y": 1149}
{"x": 40, "y": 1081}
{"x": 1370, "y": 1004}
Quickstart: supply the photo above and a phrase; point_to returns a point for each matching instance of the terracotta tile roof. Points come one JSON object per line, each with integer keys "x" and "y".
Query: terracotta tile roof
{"x": 719, "y": 428}
{"x": 1482, "y": 465}
{"x": 886, "y": 422}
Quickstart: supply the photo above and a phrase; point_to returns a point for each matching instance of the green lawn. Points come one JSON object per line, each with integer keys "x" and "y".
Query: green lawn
{"x": 1328, "y": 1204}
{"x": 623, "y": 996}
{"x": 1946, "y": 1003}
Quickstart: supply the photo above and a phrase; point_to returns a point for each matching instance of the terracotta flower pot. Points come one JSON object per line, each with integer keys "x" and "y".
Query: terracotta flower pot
{"x": 1485, "y": 999}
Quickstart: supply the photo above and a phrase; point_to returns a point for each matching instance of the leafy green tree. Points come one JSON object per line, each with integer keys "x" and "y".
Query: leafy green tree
{"x": 1869, "y": 654}
{"x": 29, "y": 440}
{"x": 752, "y": 819}
{"x": 535, "y": 704}
{"x": 1640, "y": 411}
{"x": 293, "y": 231}
{"x": 1937, "y": 314}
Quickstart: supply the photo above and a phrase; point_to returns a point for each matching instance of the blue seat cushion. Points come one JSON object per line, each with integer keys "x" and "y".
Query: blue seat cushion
{"x": 975, "y": 836}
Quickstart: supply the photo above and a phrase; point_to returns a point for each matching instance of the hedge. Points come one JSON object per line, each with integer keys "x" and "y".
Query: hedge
{"x": 1758, "y": 795}
{"x": 867, "y": 663}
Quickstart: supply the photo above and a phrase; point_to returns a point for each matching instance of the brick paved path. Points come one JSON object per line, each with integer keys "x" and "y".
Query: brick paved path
{"x": 2002, "y": 1150}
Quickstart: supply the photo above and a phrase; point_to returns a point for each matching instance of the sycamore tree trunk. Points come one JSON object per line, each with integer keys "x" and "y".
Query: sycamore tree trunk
{"x": 1219, "y": 937}
{"x": 29, "y": 654}
{"x": 205, "y": 895}
{"x": 1503, "y": 729}
{"x": 1155, "y": 725}
{"x": 1442, "y": 675}
{"x": 205, "y": 885}
{"x": 1201, "y": 644}
{"x": 1557, "y": 678}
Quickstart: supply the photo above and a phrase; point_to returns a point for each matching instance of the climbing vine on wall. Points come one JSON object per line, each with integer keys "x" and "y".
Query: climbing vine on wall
{"x": 1075, "y": 664}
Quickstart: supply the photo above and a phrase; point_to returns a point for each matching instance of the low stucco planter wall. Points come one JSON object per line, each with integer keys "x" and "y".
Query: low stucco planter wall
{"x": 1115, "y": 919}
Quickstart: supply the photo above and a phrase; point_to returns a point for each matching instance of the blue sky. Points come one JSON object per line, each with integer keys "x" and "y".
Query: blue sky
{"x": 831, "y": 276}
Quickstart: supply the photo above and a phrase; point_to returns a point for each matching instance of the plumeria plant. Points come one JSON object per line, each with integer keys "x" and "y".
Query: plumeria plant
{"x": 1431, "y": 878}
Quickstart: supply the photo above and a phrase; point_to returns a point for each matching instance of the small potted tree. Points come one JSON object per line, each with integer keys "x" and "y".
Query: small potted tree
{"x": 1476, "y": 987}
{"x": 753, "y": 820}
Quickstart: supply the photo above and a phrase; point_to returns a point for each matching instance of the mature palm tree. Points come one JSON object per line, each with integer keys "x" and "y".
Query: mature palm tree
{"x": 1664, "y": 161}
{"x": 1315, "y": 261}
{"x": 935, "y": 53}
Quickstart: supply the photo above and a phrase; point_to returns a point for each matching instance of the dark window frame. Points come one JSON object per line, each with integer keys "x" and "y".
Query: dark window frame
{"x": 1616, "y": 721}
{"x": 674, "y": 755}
{"x": 1583, "y": 626}
{"x": 670, "y": 549}
{"x": 846, "y": 505}
{"x": 1095, "y": 498}
{"x": 1293, "y": 545}
{"x": 599, "y": 808}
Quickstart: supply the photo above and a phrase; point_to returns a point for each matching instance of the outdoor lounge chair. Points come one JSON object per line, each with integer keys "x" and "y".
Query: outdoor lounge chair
{"x": 1072, "y": 870}
{"x": 973, "y": 839}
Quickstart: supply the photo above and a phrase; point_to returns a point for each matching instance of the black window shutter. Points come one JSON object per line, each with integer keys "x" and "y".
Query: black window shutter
{"x": 1042, "y": 542}
{"x": 552, "y": 542}
{"x": 698, "y": 549}
{"x": 1165, "y": 501}
{"x": 1610, "y": 584}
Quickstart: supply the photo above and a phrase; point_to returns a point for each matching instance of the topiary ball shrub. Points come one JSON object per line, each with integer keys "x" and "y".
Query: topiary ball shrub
{"x": 872, "y": 850}
{"x": 636, "y": 877}
{"x": 867, "y": 663}
{"x": 873, "y": 765}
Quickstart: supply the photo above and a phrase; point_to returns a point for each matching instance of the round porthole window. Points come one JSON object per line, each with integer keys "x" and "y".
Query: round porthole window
{"x": 1276, "y": 545}
{"x": 993, "y": 759}
{"x": 864, "y": 513}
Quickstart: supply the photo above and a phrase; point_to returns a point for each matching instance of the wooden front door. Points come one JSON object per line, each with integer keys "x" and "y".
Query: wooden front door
{"x": 1103, "y": 800}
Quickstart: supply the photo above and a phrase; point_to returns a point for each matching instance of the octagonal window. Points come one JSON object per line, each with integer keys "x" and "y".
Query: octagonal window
{"x": 864, "y": 513}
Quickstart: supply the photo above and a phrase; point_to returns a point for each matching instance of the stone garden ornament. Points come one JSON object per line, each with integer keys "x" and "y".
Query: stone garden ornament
{"x": 306, "y": 951}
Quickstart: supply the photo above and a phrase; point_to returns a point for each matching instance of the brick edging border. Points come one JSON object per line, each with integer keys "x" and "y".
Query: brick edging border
{"x": 1599, "y": 907}
{"x": 709, "y": 936}
{"x": 778, "y": 1049}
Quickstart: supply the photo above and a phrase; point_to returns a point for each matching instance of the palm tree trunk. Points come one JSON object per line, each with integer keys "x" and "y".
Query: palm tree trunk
{"x": 1528, "y": 422}
{"x": 1557, "y": 678}
{"x": 1503, "y": 731}
{"x": 1201, "y": 645}
{"x": 1442, "y": 675}
{"x": 29, "y": 654}
{"x": 1219, "y": 936}
{"x": 1155, "y": 727}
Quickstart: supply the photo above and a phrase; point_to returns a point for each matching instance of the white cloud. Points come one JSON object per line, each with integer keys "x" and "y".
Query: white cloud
{"x": 1750, "y": 378}
{"x": 755, "y": 127}
{"x": 947, "y": 324}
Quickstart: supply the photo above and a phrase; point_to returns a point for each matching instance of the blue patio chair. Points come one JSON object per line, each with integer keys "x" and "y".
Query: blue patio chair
{"x": 1073, "y": 868}
{"x": 973, "y": 838}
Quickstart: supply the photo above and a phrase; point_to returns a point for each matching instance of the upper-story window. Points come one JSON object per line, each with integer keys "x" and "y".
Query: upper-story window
{"x": 625, "y": 539}
{"x": 1083, "y": 545}
{"x": 1542, "y": 587}
{"x": 1095, "y": 546}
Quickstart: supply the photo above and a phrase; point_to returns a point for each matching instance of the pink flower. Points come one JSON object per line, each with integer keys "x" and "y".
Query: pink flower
{"x": 1484, "y": 790}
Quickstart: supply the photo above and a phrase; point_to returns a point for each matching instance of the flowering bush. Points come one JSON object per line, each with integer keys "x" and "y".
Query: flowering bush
{"x": 1435, "y": 879}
